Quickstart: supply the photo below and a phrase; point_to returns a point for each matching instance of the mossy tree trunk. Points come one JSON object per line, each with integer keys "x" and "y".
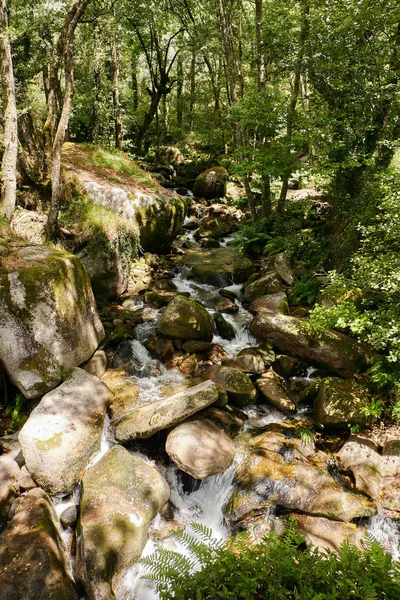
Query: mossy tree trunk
{"x": 9, "y": 162}
{"x": 64, "y": 50}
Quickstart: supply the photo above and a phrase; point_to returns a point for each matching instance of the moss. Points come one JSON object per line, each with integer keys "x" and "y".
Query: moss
{"x": 54, "y": 442}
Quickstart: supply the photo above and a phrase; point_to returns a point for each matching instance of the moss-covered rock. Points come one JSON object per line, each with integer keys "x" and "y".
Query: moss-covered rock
{"x": 237, "y": 384}
{"x": 342, "y": 403}
{"x": 186, "y": 319}
{"x": 63, "y": 433}
{"x": 268, "y": 284}
{"x": 274, "y": 303}
{"x": 48, "y": 318}
{"x": 144, "y": 421}
{"x": 273, "y": 388}
{"x": 121, "y": 494}
{"x": 242, "y": 269}
{"x": 34, "y": 564}
{"x": 330, "y": 350}
{"x": 224, "y": 328}
{"x": 211, "y": 184}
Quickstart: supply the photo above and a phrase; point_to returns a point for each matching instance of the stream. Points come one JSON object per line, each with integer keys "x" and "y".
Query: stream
{"x": 192, "y": 500}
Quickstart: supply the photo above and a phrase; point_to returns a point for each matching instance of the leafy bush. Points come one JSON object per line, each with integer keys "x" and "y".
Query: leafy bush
{"x": 306, "y": 290}
{"x": 277, "y": 568}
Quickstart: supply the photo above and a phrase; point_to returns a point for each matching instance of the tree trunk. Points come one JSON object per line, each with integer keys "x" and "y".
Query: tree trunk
{"x": 9, "y": 162}
{"x": 192, "y": 90}
{"x": 293, "y": 100}
{"x": 179, "y": 90}
{"x": 115, "y": 62}
{"x": 260, "y": 46}
{"x": 266, "y": 206}
{"x": 65, "y": 49}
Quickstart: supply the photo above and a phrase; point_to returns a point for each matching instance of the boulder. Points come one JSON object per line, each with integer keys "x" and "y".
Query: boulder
{"x": 273, "y": 388}
{"x": 282, "y": 265}
{"x": 248, "y": 363}
{"x": 237, "y": 384}
{"x": 159, "y": 218}
{"x": 211, "y": 266}
{"x": 144, "y": 421}
{"x": 280, "y": 470}
{"x": 34, "y": 564}
{"x": 242, "y": 269}
{"x": 126, "y": 393}
{"x": 169, "y": 155}
{"x": 224, "y": 328}
{"x": 200, "y": 448}
{"x": 211, "y": 183}
{"x": 268, "y": 284}
{"x": 342, "y": 403}
{"x": 327, "y": 534}
{"x": 273, "y": 303}
{"x": 48, "y": 318}
{"x": 329, "y": 350}
{"x": 162, "y": 348}
{"x": 9, "y": 486}
{"x": 186, "y": 319}
{"x": 121, "y": 494}
{"x": 227, "y": 306}
{"x": 287, "y": 366}
{"x": 197, "y": 346}
{"x": 96, "y": 365}
{"x": 376, "y": 468}
{"x": 63, "y": 433}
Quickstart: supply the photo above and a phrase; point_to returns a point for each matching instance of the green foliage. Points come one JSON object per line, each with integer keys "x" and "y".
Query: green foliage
{"x": 306, "y": 290}
{"x": 17, "y": 411}
{"x": 307, "y": 435}
{"x": 280, "y": 568}
{"x": 120, "y": 162}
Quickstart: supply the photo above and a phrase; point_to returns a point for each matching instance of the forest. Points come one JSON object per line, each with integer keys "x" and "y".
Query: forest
{"x": 199, "y": 299}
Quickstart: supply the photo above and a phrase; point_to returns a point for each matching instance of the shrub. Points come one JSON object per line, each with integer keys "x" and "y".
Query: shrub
{"x": 277, "y": 568}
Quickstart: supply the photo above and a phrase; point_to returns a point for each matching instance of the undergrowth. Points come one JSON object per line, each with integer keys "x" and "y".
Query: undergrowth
{"x": 278, "y": 568}
{"x": 120, "y": 162}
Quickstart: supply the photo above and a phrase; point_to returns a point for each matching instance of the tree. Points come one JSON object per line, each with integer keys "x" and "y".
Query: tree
{"x": 9, "y": 162}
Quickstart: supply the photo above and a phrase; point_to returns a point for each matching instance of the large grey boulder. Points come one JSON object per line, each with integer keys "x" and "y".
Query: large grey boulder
{"x": 330, "y": 350}
{"x": 186, "y": 319}
{"x": 200, "y": 448}
{"x": 280, "y": 469}
{"x": 121, "y": 494}
{"x": 146, "y": 420}
{"x": 274, "y": 390}
{"x": 33, "y": 561}
{"x": 107, "y": 267}
{"x": 327, "y": 534}
{"x": 48, "y": 318}
{"x": 248, "y": 363}
{"x": 282, "y": 265}
{"x": 63, "y": 433}
{"x": 342, "y": 403}
{"x": 273, "y": 303}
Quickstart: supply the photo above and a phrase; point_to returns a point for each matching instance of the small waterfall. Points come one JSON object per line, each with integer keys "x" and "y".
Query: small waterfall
{"x": 387, "y": 532}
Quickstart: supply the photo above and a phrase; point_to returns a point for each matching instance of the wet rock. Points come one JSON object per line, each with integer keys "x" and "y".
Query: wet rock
{"x": 186, "y": 319}
{"x": 324, "y": 533}
{"x": 248, "y": 363}
{"x": 48, "y": 319}
{"x": 34, "y": 565}
{"x": 342, "y": 403}
{"x": 96, "y": 365}
{"x": 242, "y": 269}
{"x": 216, "y": 353}
{"x": 144, "y": 421}
{"x": 227, "y": 306}
{"x": 197, "y": 346}
{"x": 9, "y": 486}
{"x": 239, "y": 386}
{"x": 224, "y": 328}
{"x": 211, "y": 183}
{"x": 125, "y": 390}
{"x": 63, "y": 432}
{"x": 230, "y": 418}
{"x": 160, "y": 347}
{"x": 273, "y": 388}
{"x": 376, "y": 469}
{"x": 191, "y": 225}
{"x": 133, "y": 359}
{"x": 121, "y": 494}
{"x": 211, "y": 266}
{"x": 281, "y": 470}
{"x": 228, "y": 294}
{"x": 267, "y": 354}
{"x": 69, "y": 516}
{"x": 268, "y": 284}
{"x": 273, "y": 303}
{"x": 200, "y": 448}
{"x": 189, "y": 365}
{"x": 158, "y": 299}
{"x": 330, "y": 350}
{"x": 209, "y": 242}
{"x": 281, "y": 264}
{"x": 287, "y": 366}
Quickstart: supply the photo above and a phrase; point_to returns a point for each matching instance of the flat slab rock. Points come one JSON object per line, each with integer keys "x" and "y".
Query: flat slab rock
{"x": 63, "y": 433}
{"x": 121, "y": 494}
{"x": 33, "y": 562}
{"x": 48, "y": 319}
{"x": 200, "y": 448}
{"x": 144, "y": 421}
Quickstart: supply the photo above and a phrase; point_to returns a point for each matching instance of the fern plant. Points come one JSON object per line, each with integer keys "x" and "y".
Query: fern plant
{"x": 278, "y": 568}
